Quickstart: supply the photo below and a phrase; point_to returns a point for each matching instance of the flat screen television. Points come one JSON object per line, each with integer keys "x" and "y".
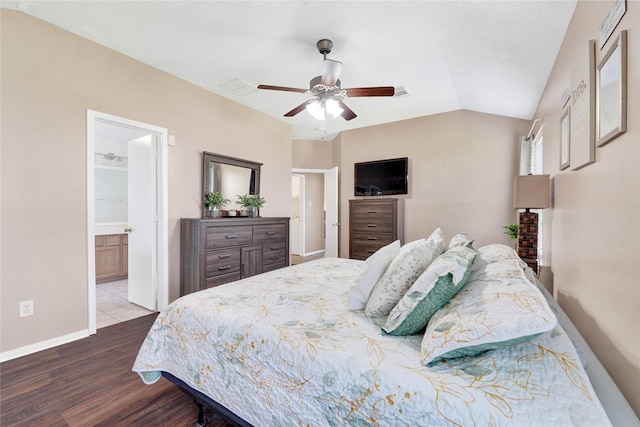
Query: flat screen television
{"x": 382, "y": 177}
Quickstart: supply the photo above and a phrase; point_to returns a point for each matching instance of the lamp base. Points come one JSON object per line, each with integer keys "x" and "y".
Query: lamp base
{"x": 528, "y": 239}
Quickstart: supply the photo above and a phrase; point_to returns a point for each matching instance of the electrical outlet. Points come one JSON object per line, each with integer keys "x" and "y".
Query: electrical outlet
{"x": 26, "y": 308}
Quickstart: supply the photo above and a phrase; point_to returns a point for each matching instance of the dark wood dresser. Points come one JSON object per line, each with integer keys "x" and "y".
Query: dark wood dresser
{"x": 374, "y": 223}
{"x": 217, "y": 251}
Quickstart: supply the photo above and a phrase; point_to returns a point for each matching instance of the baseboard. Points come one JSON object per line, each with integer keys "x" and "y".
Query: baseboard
{"x": 321, "y": 251}
{"x": 42, "y": 345}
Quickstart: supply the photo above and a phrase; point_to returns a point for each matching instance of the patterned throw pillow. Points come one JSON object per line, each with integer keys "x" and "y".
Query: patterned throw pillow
{"x": 433, "y": 289}
{"x": 500, "y": 309}
{"x": 460, "y": 239}
{"x": 494, "y": 253}
{"x": 403, "y": 271}
{"x": 374, "y": 268}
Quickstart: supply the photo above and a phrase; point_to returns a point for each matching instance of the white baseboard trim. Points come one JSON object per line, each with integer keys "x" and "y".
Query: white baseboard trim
{"x": 321, "y": 251}
{"x": 42, "y": 345}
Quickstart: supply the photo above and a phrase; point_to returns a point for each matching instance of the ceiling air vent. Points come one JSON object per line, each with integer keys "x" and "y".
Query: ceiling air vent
{"x": 238, "y": 87}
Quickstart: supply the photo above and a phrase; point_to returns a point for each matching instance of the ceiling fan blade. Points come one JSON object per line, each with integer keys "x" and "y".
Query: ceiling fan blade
{"x": 347, "y": 113}
{"x": 283, "y": 88}
{"x": 330, "y": 72}
{"x": 298, "y": 109}
{"x": 371, "y": 91}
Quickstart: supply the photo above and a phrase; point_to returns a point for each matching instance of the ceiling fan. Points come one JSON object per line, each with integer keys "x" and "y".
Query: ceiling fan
{"x": 327, "y": 90}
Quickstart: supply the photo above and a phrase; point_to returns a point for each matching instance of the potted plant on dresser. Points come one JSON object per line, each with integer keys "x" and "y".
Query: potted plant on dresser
{"x": 251, "y": 203}
{"x": 214, "y": 201}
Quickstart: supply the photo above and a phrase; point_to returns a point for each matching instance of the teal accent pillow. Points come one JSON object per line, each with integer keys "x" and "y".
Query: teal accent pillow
{"x": 433, "y": 289}
{"x": 496, "y": 310}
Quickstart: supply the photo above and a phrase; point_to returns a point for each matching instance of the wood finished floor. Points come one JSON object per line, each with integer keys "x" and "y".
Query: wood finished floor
{"x": 90, "y": 383}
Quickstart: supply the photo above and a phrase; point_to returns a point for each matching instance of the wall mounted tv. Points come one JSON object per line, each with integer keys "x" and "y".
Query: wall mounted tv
{"x": 382, "y": 177}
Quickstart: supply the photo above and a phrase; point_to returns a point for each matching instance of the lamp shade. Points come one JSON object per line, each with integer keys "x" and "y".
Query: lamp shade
{"x": 531, "y": 192}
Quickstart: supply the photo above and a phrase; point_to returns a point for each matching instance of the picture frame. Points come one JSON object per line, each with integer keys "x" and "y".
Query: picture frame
{"x": 565, "y": 138}
{"x": 611, "y": 93}
{"x": 583, "y": 109}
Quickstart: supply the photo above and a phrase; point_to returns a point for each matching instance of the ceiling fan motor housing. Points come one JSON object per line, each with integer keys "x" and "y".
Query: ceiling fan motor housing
{"x": 324, "y": 46}
{"x": 316, "y": 81}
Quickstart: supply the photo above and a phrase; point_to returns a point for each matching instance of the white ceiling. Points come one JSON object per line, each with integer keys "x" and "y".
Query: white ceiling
{"x": 487, "y": 56}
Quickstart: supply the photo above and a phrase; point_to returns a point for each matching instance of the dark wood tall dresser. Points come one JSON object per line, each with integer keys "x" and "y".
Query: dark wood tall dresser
{"x": 374, "y": 223}
{"x": 218, "y": 251}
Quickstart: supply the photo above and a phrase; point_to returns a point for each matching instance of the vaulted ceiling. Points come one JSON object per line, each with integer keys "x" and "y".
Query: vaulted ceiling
{"x": 487, "y": 56}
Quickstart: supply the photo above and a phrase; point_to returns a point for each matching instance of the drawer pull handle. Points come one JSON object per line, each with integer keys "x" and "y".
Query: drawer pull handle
{"x": 371, "y": 251}
{"x": 226, "y": 267}
{"x": 270, "y": 233}
{"x": 231, "y": 236}
{"x": 274, "y": 257}
{"x": 372, "y": 238}
{"x": 373, "y": 212}
{"x": 274, "y": 248}
{"x": 224, "y": 256}
{"x": 372, "y": 225}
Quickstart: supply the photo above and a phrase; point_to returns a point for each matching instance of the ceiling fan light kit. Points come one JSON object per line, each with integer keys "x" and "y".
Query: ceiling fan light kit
{"x": 328, "y": 91}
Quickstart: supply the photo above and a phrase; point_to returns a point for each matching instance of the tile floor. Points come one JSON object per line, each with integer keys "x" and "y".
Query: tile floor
{"x": 112, "y": 304}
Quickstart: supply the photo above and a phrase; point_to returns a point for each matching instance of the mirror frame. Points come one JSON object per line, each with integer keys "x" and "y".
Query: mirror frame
{"x": 208, "y": 158}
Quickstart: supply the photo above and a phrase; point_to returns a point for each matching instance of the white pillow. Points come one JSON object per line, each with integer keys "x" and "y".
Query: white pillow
{"x": 374, "y": 268}
{"x": 460, "y": 239}
{"x": 403, "y": 271}
{"x": 411, "y": 245}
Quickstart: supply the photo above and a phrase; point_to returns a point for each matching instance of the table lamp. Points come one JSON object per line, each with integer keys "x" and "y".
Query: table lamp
{"x": 530, "y": 192}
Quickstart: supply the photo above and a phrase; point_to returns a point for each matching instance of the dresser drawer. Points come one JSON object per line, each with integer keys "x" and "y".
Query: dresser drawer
{"x": 364, "y": 210}
{"x": 222, "y": 279}
{"x": 269, "y": 233}
{"x": 373, "y": 226}
{"x": 222, "y": 262}
{"x": 275, "y": 266}
{"x": 228, "y": 236}
{"x": 364, "y": 251}
{"x": 273, "y": 253}
{"x": 372, "y": 239}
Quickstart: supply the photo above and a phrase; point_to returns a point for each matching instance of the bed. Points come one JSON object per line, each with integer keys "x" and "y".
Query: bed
{"x": 282, "y": 349}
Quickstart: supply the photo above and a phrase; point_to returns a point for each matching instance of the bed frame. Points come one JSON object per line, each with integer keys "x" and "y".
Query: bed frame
{"x": 201, "y": 400}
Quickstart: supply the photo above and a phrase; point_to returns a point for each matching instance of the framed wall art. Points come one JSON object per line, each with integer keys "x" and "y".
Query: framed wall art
{"x": 565, "y": 139}
{"x": 582, "y": 150}
{"x": 611, "y": 93}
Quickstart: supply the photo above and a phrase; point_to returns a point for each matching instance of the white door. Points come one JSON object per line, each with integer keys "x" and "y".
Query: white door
{"x": 332, "y": 224}
{"x": 142, "y": 222}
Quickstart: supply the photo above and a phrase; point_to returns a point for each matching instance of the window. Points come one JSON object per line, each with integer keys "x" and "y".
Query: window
{"x": 535, "y": 166}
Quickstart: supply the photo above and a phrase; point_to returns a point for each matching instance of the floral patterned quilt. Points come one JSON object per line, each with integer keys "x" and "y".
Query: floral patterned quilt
{"x": 281, "y": 349}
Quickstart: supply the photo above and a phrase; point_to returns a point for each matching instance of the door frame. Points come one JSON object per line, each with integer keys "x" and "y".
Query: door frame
{"x": 326, "y": 224}
{"x": 162, "y": 245}
{"x": 302, "y": 201}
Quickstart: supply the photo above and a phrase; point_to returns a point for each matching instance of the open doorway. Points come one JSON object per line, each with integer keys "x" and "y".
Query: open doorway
{"x": 314, "y": 224}
{"x": 127, "y": 219}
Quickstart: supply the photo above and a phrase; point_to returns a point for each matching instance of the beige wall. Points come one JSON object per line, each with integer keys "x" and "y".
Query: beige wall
{"x": 595, "y": 220}
{"x": 49, "y": 79}
{"x": 312, "y": 154}
{"x": 460, "y": 177}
